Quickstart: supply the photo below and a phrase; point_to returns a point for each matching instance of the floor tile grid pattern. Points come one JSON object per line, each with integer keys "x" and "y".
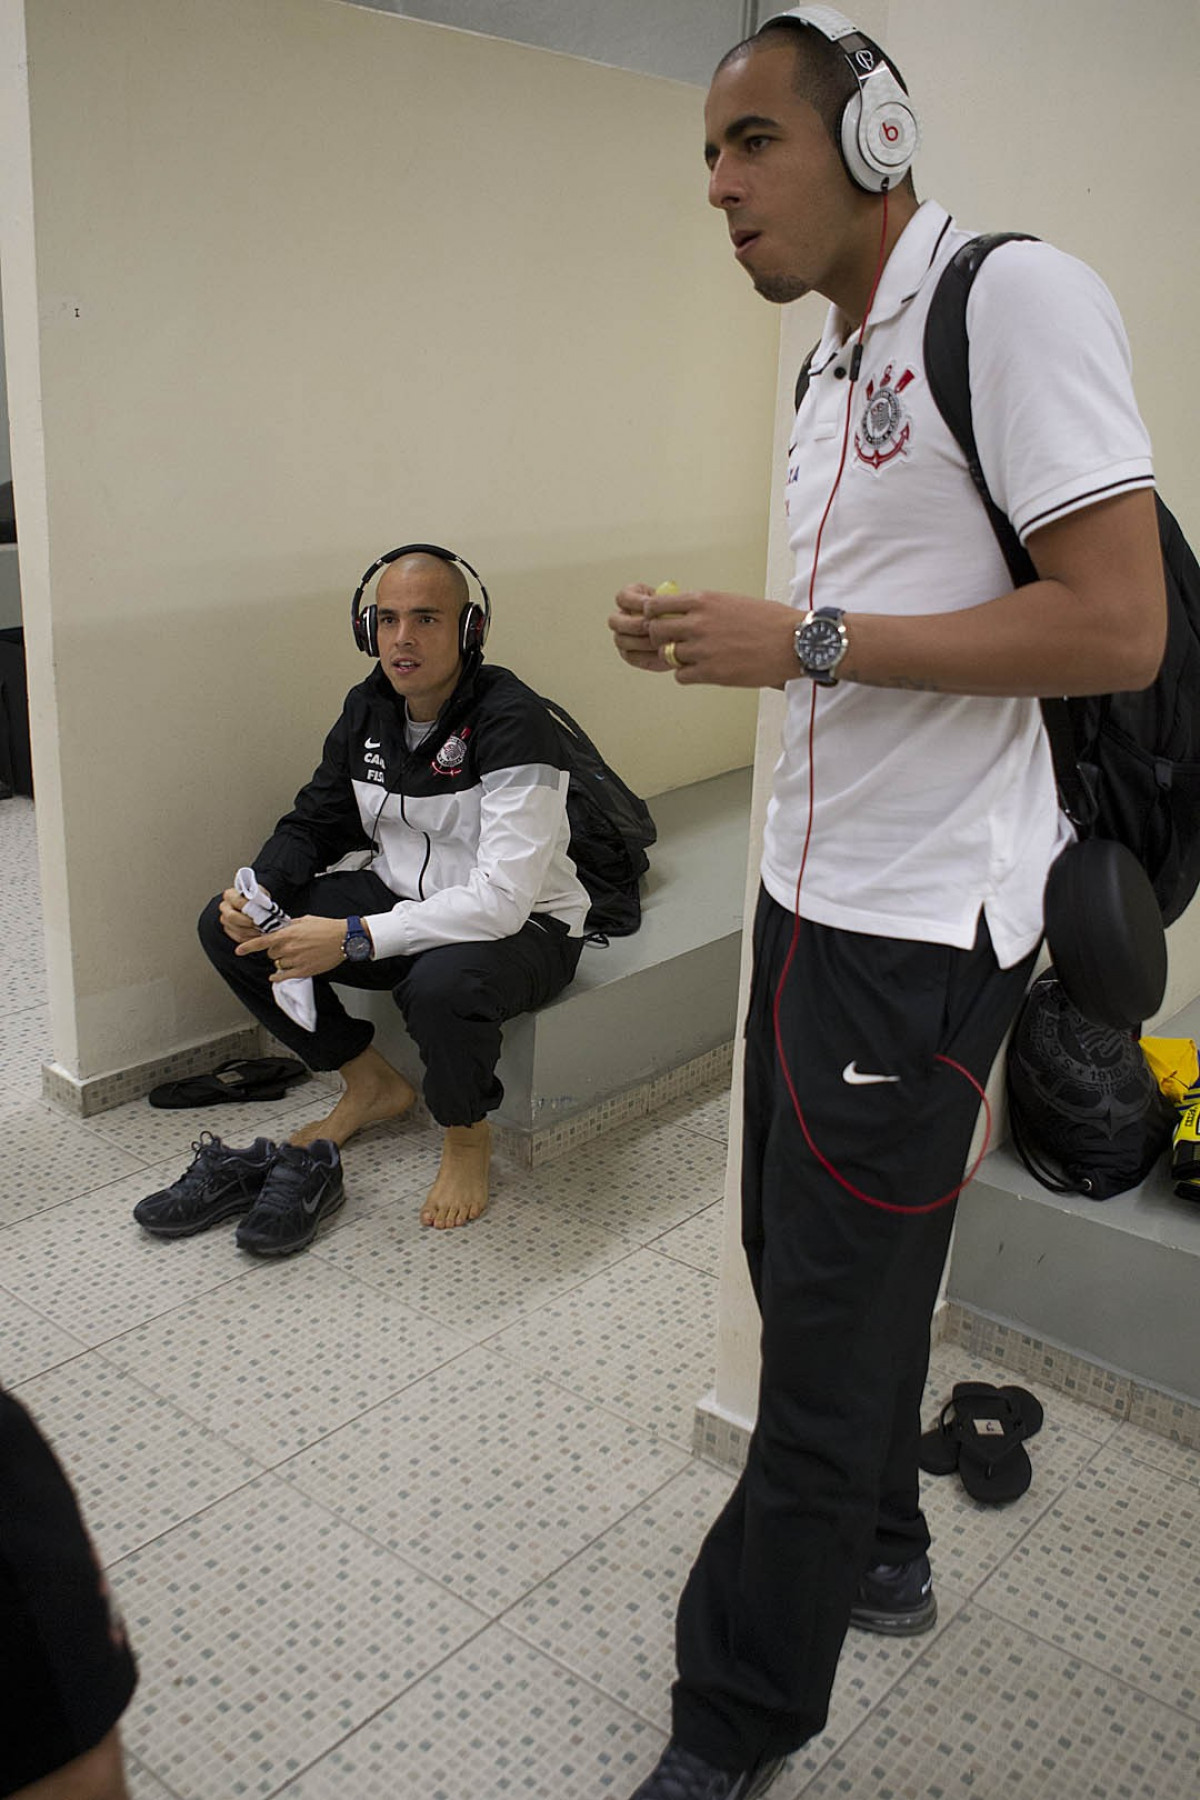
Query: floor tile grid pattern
{"x": 409, "y": 1515}
{"x": 1051, "y": 1366}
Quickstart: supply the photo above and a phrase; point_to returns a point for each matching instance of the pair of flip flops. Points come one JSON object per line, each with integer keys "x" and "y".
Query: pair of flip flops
{"x": 245, "y": 1078}
{"x": 981, "y": 1432}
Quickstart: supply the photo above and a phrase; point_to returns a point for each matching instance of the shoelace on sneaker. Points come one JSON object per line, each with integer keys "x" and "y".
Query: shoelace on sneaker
{"x": 208, "y": 1149}
{"x": 290, "y": 1174}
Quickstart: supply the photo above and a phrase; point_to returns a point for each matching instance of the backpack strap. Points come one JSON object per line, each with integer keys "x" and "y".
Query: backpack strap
{"x": 802, "y": 377}
{"x": 947, "y": 369}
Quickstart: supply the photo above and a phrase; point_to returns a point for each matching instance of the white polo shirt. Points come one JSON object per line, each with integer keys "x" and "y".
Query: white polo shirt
{"x": 930, "y": 808}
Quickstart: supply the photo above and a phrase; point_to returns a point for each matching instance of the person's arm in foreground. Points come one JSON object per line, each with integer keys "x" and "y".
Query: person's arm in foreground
{"x": 1094, "y": 622}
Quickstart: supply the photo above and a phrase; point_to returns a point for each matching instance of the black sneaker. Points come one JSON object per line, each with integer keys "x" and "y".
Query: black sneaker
{"x": 682, "y": 1776}
{"x": 304, "y": 1187}
{"x": 896, "y": 1599}
{"x": 218, "y": 1183}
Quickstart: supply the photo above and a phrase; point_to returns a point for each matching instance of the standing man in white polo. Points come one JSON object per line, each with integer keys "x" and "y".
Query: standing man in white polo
{"x": 912, "y": 823}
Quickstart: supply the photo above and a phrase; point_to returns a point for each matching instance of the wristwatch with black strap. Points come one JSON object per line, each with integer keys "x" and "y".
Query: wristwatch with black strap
{"x": 822, "y": 641}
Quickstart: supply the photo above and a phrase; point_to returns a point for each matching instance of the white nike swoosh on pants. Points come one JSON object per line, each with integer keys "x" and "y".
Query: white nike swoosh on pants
{"x": 852, "y": 1074}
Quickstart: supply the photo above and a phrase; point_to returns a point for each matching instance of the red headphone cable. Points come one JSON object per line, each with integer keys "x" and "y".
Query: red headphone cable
{"x": 858, "y": 1194}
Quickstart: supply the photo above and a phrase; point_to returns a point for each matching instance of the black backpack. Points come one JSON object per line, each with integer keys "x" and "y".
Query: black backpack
{"x": 1127, "y": 765}
{"x": 611, "y": 830}
{"x": 1085, "y": 1113}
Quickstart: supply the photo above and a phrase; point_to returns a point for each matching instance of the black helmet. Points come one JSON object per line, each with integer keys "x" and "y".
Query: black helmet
{"x": 1085, "y": 1112}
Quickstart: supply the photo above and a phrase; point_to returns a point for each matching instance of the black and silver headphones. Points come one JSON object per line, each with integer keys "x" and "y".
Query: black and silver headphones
{"x": 879, "y": 133}
{"x": 474, "y": 621}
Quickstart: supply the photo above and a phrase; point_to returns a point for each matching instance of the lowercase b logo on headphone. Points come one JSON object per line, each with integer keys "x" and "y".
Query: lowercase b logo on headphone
{"x": 879, "y": 131}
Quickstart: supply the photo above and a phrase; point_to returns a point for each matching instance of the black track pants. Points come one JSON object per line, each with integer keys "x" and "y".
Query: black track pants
{"x": 846, "y": 1287}
{"x": 66, "y": 1670}
{"x": 454, "y": 999}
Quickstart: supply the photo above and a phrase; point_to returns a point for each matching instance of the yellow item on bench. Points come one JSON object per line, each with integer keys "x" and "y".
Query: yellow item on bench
{"x": 1185, "y": 1149}
{"x": 1174, "y": 1065}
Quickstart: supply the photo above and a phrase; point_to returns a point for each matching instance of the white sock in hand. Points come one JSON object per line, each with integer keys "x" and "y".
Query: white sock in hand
{"x": 296, "y": 995}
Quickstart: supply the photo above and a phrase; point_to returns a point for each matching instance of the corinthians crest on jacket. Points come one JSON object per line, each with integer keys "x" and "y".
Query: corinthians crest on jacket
{"x": 452, "y": 755}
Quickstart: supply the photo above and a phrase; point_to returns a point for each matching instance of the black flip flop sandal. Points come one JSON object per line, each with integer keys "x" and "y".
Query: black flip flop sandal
{"x": 938, "y": 1450}
{"x": 993, "y": 1464}
{"x": 981, "y": 1432}
{"x": 244, "y": 1078}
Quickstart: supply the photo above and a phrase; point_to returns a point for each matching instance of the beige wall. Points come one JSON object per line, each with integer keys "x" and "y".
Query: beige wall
{"x": 1068, "y": 121}
{"x": 304, "y": 281}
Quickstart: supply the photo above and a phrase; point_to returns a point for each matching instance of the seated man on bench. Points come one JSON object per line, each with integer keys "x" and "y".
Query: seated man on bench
{"x": 446, "y": 777}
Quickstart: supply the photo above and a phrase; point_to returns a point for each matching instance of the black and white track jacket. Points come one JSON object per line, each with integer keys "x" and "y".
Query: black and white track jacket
{"x": 469, "y": 830}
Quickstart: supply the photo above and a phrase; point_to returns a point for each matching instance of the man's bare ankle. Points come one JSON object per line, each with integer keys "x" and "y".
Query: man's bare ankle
{"x": 96, "y": 1775}
{"x": 370, "y": 1069}
{"x": 459, "y": 1195}
{"x": 364, "y": 1101}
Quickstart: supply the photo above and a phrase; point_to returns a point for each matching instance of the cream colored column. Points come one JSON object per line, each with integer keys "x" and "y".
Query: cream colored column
{"x": 18, "y": 266}
{"x": 725, "y": 1416}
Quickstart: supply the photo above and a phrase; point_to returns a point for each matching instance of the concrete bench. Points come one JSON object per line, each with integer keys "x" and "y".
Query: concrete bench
{"x": 647, "y": 1016}
{"x": 1111, "y": 1282}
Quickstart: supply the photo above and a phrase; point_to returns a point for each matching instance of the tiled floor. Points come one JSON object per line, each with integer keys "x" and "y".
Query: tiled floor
{"x": 407, "y": 1516}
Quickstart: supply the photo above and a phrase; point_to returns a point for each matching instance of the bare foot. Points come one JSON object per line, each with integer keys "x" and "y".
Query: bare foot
{"x": 374, "y": 1092}
{"x": 460, "y": 1192}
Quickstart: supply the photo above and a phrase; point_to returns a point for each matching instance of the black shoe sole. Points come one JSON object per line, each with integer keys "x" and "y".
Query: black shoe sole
{"x": 748, "y": 1786}
{"x": 230, "y": 1211}
{"x": 290, "y": 1249}
{"x": 894, "y": 1624}
{"x": 765, "y": 1777}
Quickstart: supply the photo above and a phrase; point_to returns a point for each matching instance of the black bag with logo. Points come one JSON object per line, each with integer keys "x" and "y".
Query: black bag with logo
{"x": 1085, "y": 1113}
{"x": 611, "y": 830}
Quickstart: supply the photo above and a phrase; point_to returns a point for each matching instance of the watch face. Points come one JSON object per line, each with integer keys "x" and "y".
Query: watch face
{"x": 358, "y": 947}
{"x": 823, "y": 644}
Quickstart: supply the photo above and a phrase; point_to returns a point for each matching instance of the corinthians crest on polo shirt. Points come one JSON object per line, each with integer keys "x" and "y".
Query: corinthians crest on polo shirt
{"x": 884, "y": 424}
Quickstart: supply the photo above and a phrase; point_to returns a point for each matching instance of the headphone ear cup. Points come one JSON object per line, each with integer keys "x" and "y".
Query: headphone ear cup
{"x": 848, "y": 133}
{"x": 472, "y": 630}
{"x": 365, "y": 634}
{"x": 878, "y": 149}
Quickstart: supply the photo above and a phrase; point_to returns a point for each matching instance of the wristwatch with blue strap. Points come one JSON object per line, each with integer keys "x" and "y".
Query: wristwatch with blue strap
{"x": 357, "y": 945}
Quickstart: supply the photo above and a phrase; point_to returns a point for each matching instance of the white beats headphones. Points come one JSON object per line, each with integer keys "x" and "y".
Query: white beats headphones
{"x": 879, "y": 130}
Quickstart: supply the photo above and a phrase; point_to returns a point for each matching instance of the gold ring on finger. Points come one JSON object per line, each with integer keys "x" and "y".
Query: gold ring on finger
{"x": 670, "y": 656}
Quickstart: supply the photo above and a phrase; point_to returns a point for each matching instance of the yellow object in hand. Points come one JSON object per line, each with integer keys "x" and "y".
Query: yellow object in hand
{"x": 668, "y": 587}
